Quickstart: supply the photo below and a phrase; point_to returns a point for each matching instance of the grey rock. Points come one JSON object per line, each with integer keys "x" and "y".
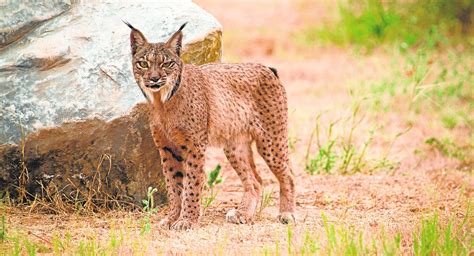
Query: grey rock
{"x": 76, "y": 64}
{"x": 68, "y": 97}
{"x": 20, "y": 17}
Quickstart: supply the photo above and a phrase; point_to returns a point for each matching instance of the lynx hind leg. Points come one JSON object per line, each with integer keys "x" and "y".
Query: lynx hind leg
{"x": 272, "y": 143}
{"x": 257, "y": 183}
{"x": 241, "y": 158}
{"x": 276, "y": 157}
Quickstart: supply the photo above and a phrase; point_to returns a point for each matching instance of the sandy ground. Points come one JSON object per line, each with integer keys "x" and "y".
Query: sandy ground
{"x": 317, "y": 80}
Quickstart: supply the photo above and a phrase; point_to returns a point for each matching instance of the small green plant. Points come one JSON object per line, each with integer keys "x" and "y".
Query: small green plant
{"x": 148, "y": 204}
{"x": 212, "y": 180}
{"x": 30, "y": 247}
{"x": 16, "y": 245}
{"x": 3, "y": 229}
{"x": 330, "y": 233}
{"x": 148, "y": 209}
{"x": 324, "y": 160}
{"x": 277, "y": 247}
{"x": 213, "y": 177}
{"x": 310, "y": 244}
{"x": 426, "y": 241}
{"x": 88, "y": 247}
{"x": 266, "y": 251}
{"x": 116, "y": 240}
{"x": 450, "y": 121}
{"x": 343, "y": 240}
{"x": 266, "y": 199}
{"x": 391, "y": 247}
{"x": 339, "y": 153}
{"x": 436, "y": 238}
{"x": 289, "y": 238}
{"x": 58, "y": 245}
{"x": 448, "y": 148}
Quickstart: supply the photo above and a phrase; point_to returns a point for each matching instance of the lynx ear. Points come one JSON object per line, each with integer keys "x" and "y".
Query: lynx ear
{"x": 137, "y": 39}
{"x": 176, "y": 40}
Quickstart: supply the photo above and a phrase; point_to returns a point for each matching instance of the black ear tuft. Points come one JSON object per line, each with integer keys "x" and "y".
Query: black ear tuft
{"x": 182, "y": 26}
{"x": 176, "y": 39}
{"x": 137, "y": 39}
{"x": 129, "y": 25}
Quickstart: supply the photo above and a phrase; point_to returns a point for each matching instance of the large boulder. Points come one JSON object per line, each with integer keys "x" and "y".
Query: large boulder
{"x": 69, "y": 109}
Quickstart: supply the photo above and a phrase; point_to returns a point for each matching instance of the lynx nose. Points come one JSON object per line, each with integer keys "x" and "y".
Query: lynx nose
{"x": 154, "y": 79}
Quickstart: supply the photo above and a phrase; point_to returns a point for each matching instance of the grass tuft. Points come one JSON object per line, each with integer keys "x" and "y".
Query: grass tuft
{"x": 3, "y": 228}
{"x": 265, "y": 200}
{"x": 435, "y": 238}
{"x": 339, "y": 153}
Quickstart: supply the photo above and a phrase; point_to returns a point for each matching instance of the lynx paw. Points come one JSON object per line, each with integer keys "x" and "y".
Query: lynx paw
{"x": 165, "y": 223}
{"x": 236, "y": 217}
{"x": 287, "y": 218}
{"x": 182, "y": 224}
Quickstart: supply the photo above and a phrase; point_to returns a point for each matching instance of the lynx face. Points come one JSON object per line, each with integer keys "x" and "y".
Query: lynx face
{"x": 157, "y": 67}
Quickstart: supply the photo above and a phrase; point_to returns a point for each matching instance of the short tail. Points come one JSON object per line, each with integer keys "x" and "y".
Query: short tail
{"x": 274, "y": 71}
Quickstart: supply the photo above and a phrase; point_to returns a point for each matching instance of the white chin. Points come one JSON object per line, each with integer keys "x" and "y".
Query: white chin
{"x": 154, "y": 89}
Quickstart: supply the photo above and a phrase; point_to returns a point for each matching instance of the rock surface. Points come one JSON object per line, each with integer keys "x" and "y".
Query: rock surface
{"x": 76, "y": 66}
{"x": 21, "y": 17}
{"x": 69, "y": 62}
{"x": 104, "y": 162}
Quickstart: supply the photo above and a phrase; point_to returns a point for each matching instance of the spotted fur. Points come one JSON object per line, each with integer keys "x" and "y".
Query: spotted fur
{"x": 225, "y": 105}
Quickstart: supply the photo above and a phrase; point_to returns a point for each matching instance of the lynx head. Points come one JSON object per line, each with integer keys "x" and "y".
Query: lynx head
{"x": 157, "y": 67}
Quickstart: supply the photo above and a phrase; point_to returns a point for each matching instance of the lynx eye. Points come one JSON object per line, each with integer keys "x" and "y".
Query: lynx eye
{"x": 168, "y": 64}
{"x": 142, "y": 64}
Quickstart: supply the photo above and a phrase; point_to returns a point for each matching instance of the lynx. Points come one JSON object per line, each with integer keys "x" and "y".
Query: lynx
{"x": 224, "y": 105}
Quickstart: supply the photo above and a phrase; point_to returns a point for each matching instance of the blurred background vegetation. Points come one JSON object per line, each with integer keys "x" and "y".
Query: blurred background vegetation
{"x": 431, "y": 46}
{"x": 407, "y": 24}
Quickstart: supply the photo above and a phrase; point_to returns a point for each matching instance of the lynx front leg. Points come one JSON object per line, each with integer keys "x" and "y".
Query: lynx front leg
{"x": 193, "y": 182}
{"x": 241, "y": 158}
{"x": 174, "y": 173}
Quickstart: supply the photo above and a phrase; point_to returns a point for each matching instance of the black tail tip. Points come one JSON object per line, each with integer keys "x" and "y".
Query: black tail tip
{"x": 274, "y": 71}
{"x": 129, "y": 25}
{"x": 182, "y": 26}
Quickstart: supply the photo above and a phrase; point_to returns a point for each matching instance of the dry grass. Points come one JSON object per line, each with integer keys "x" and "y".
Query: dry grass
{"x": 374, "y": 210}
